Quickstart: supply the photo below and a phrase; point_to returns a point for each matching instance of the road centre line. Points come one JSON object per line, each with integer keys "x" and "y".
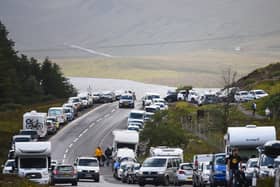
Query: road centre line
{"x": 70, "y": 145}
{"x": 76, "y": 140}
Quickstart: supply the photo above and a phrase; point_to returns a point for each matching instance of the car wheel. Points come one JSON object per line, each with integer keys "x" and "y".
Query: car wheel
{"x": 166, "y": 181}
{"x": 97, "y": 179}
{"x": 74, "y": 183}
{"x": 141, "y": 184}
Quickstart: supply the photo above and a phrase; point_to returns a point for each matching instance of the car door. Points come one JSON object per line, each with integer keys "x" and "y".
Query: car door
{"x": 169, "y": 169}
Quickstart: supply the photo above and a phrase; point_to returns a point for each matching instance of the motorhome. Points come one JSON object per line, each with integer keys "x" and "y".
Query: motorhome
{"x": 248, "y": 138}
{"x": 33, "y": 161}
{"x": 125, "y": 139}
{"x": 167, "y": 151}
{"x": 36, "y": 121}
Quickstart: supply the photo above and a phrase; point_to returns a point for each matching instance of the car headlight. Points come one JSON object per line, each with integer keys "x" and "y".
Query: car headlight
{"x": 79, "y": 170}
{"x": 140, "y": 172}
{"x": 161, "y": 172}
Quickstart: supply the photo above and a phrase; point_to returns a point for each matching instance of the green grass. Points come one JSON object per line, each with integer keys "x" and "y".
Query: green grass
{"x": 201, "y": 68}
{"x": 15, "y": 181}
{"x": 11, "y": 123}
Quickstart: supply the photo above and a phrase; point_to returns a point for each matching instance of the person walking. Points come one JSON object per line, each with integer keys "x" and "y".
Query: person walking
{"x": 98, "y": 154}
{"x": 254, "y": 108}
{"x": 233, "y": 164}
{"x": 267, "y": 113}
{"x": 108, "y": 154}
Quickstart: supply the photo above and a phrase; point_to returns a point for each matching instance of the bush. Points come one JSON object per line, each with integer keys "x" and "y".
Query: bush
{"x": 266, "y": 182}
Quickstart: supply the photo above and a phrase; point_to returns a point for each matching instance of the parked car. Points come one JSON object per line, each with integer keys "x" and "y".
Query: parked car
{"x": 126, "y": 100}
{"x": 85, "y": 100}
{"x": 257, "y": 94}
{"x": 161, "y": 106}
{"x": 71, "y": 105}
{"x": 136, "y": 116}
{"x": 64, "y": 174}
{"x": 58, "y": 112}
{"x": 218, "y": 170}
{"x": 138, "y": 124}
{"x": 148, "y": 116}
{"x": 182, "y": 94}
{"x": 54, "y": 120}
{"x": 77, "y": 102}
{"x": 207, "y": 99}
{"x": 185, "y": 173}
{"x": 8, "y": 167}
{"x": 152, "y": 108}
{"x": 96, "y": 97}
{"x": 33, "y": 133}
{"x": 107, "y": 97}
{"x": 148, "y": 98}
{"x": 69, "y": 112}
{"x": 88, "y": 168}
{"x": 133, "y": 127}
{"x": 242, "y": 96}
{"x": 171, "y": 97}
{"x": 251, "y": 167}
{"x": 51, "y": 126}
{"x": 205, "y": 169}
{"x": 159, "y": 171}
{"x": 193, "y": 96}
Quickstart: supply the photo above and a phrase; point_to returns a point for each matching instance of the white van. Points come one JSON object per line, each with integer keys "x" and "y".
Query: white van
{"x": 159, "y": 171}
{"x": 58, "y": 112}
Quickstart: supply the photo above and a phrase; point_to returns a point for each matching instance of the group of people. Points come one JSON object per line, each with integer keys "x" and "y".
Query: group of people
{"x": 102, "y": 157}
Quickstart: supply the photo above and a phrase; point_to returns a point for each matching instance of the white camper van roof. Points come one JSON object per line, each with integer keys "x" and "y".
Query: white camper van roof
{"x": 250, "y": 135}
{"x": 126, "y": 136}
{"x": 166, "y": 151}
{"x": 33, "y": 148}
{"x": 35, "y": 113}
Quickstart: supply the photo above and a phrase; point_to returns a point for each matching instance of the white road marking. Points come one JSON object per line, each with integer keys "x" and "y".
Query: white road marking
{"x": 76, "y": 140}
{"x": 106, "y": 116}
{"x": 113, "y": 110}
{"x": 64, "y": 156}
{"x": 100, "y": 119}
{"x": 63, "y": 161}
{"x": 66, "y": 151}
{"x": 70, "y": 145}
{"x": 91, "y": 125}
{"x": 80, "y": 135}
{"x": 91, "y": 51}
{"x": 85, "y": 131}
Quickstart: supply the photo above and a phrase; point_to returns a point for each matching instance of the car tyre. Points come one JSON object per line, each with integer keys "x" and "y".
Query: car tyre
{"x": 75, "y": 183}
{"x": 97, "y": 179}
{"x": 141, "y": 184}
{"x": 166, "y": 181}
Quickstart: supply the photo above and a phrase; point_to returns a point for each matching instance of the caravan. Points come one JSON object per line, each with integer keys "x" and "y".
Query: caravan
{"x": 167, "y": 151}
{"x": 247, "y": 139}
{"x": 35, "y": 121}
{"x": 125, "y": 139}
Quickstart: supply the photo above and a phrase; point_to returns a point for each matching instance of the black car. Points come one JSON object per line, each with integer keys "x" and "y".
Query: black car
{"x": 171, "y": 97}
{"x": 63, "y": 174}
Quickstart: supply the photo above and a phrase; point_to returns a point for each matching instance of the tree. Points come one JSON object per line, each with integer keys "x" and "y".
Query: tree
{"x": 229, "y": 78}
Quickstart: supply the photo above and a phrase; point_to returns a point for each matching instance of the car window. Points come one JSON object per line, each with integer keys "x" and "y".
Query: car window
{"x": 136, "y": 115}
{"x": 154, "y": 162}
{"x": 10, "y": 164}
{"x": 88, "y": 162}
{"x": 220, "y": 160}
{"x": 260, "y": 92}
{"x": 65, "y": 168}
{"x": 187, "y": 167}
{"x": 169, "y": 164}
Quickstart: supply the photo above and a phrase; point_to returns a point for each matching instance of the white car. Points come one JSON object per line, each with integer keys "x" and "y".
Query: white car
{"x": 9, "y": 166}
{"x": 148, "y": 98}
{"x": 162, "y": 106}
{"x": 193, "y": 96}
{"x": 58, "y": 112}
{"x": 242, "y": 96}
{"x": 133, "y": 127}
{"x": 152, "y": 108}
{"x": 136, "y": 116}
{"x": 184, "y": 173}
{"x": 251, "y": 167}
{"x": 87, "y": 168}
{"x": 181, "y": 96}
{"x": 257, "y": 94}
{"x": 204, "y": 179}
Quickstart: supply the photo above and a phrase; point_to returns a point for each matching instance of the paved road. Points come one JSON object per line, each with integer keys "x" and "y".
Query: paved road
{"x": 81, "y": 137}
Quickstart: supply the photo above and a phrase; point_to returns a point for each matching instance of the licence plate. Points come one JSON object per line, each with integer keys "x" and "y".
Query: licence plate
{"x": 149, "y": 179}
{"x": 88, "y": 175}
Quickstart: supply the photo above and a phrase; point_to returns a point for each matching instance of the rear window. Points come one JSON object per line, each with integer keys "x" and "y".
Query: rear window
{"x": 88, "y": 162}
{"x": 55, "y": 112}
{"x": 28, "y": 132}
{"x": 22, "y": 139}
{"x": 136, "y": 115}
{"x": 127, "y": 97}
{"x": 220, "y": 160}
{"x": 186, "y": 167}
{"x": 65, "y": 168}
{"x": 260, "y": 92}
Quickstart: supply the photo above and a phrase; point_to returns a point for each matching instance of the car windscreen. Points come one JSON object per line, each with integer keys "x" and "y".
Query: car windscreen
{"x": 266, "y": 161}
{"x": 260, "y": 92}
{"x": 152, "y": 110}
{"x": 28, "y": 163}
{"x": 10, "y": 164}
{"x": 220, "y": 160}
{"x": 76, "y": 100}
{"x": 126, "y": 97}
{"x": 55, "y": 112}
{"x": 155, "y": 162}
{"x": 83, "y": 98}
{"x": 136, "y": 115}
{"x": 252, "y": 164}
{"x": 88, "y": 162}
{"x": 32, "y": 133}
{"x": 22, "y": 139}
{"x": 67, "y": 110}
